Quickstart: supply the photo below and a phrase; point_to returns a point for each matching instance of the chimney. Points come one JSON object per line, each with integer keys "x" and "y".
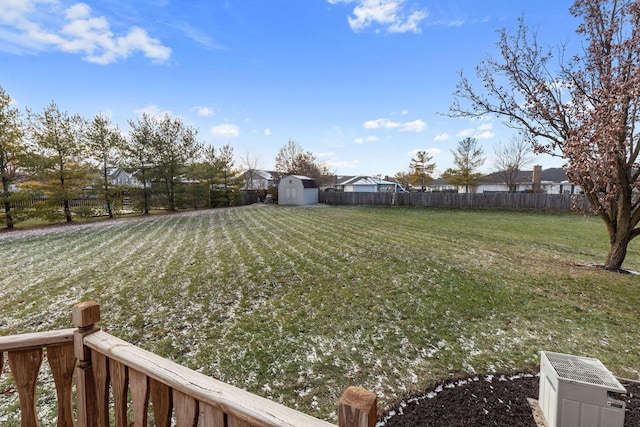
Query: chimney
{"x": 537, "y": 179}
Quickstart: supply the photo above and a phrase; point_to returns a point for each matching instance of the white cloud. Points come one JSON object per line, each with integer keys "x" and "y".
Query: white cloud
{"x": 466, "y": 132}
{"x": 226, "y": 130}
{"x": 381, "y": 123}
{"x": 153, "y": 111}
{"x": 442, "y": 137}
{"x": 481, "y": 132}
{"x": 414, "y": 126}
{"x": 485, "y": 135}
{"x": 410, "y": 24}
{"x": 394, "y": 15}
{"x": 34, "y": 25}
{"x": 267, "y": 131}
{"x": 365, "y": 139}
{"x": 203, "y": 111}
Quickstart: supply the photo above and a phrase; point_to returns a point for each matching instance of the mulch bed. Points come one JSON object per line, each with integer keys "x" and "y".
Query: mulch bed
{"x": 497, "y": 400}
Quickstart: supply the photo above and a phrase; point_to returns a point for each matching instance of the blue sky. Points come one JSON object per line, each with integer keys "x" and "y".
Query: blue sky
{"x": 360, "y": 83}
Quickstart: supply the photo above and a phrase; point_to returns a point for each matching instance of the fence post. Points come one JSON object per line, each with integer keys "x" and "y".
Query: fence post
{"x": 85, "y": 316}
{"x": 357, "y": 408}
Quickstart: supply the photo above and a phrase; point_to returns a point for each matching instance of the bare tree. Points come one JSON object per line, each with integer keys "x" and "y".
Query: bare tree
{"x": 293, "y": 160}
{"x": 510, "y": 159}
{"x": 586, "y": 110}
{"x": 250, "y": 164}
{"x": 288, "y": 157}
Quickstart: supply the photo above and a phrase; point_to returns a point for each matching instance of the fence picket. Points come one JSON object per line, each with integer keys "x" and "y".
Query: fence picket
{"x": 506, "y": 201}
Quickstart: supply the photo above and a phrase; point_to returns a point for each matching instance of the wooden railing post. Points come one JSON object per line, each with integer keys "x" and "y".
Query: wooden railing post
{"x": 85, "y": 317}
{"x": 357, "y": 408}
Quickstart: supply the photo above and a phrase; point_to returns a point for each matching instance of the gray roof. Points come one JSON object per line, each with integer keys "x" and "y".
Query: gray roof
{"x": 362, "y": 180}
{"x": 549, "y": 175}
{"x": 306, "y": 181}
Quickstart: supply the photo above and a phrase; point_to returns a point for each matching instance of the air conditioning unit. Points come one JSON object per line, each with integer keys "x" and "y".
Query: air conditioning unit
{"x": 579, "y": 391}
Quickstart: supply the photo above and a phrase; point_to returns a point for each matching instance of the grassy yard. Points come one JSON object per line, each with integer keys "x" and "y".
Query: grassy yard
{"x": 296, "y": 304}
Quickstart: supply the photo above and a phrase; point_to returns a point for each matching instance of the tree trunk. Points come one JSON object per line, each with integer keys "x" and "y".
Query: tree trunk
{"x": 65, "y": 201}
{"x": 7, "y": 214}
{"x": 67, "y": 210}
{"x": 618, "y": 243}
{"x": 145, "y": 194}
{"x": 172, "y": 195}
{"x": 616, "y": 255}
{"x": 107, "y": 196}
{"x": 108, "y": 201}
{"x": 7, "y": 203}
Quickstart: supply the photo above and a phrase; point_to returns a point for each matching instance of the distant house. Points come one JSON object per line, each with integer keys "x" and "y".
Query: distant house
{"x": 297, "y": 190}
{"x": 550, "y": 181}
{"x": 442, "y": 185}
{"x": 258, "y": 179}
{"x": 118, "y": 176}
{"x": 367, "y": 184}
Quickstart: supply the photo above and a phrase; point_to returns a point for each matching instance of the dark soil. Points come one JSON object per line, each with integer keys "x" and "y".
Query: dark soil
{"x": 499, "y": 400}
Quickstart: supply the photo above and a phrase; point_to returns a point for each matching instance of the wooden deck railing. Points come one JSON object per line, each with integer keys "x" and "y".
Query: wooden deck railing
{"x": 143, "y": 384}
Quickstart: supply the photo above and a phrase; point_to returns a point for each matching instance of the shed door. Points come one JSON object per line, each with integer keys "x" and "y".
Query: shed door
{"x": 290, "y": 193}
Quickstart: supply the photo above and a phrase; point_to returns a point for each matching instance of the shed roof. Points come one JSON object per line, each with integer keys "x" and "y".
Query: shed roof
{"x": 306, "y": 181}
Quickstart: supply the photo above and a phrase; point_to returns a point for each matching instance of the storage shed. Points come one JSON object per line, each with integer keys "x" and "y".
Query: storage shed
{"x": 297, "y": 190}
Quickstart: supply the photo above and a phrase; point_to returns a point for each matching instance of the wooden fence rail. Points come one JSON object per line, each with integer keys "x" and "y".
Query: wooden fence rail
{"x": 506, "y": 201}
{"x": 143, "y": 386}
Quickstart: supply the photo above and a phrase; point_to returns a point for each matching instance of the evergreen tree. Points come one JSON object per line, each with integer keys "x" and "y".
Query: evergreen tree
{"x": 174, "y": 147}
{"x": 421, "y": 169}
{"x": 11, "y": 146}
{"x": 137, "y": 154}
{"x": 59, "y": 156}
{"x": 103, "y": 143}
{"x": 467, "y": 158}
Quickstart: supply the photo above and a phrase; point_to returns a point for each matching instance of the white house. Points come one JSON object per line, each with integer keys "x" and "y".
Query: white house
{"x": 441, "y": 185}
{"x": 258, "y": 179}
{"x": 367, "y": 184}
{"x": 118, "y": 176}
{"x": 297, "y": 190}
{"x": 550, "y": 181}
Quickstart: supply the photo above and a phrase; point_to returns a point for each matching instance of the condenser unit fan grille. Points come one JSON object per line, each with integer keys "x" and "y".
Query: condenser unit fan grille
{"x": 584, "y": 370}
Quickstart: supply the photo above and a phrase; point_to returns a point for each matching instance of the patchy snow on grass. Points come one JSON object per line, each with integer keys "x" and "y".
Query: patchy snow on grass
{"x": 291, "y": 303}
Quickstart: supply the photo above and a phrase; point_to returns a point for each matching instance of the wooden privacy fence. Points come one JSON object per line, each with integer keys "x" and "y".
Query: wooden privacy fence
{"x": 507, "y": 201}
{"x": 138, "y": 382}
